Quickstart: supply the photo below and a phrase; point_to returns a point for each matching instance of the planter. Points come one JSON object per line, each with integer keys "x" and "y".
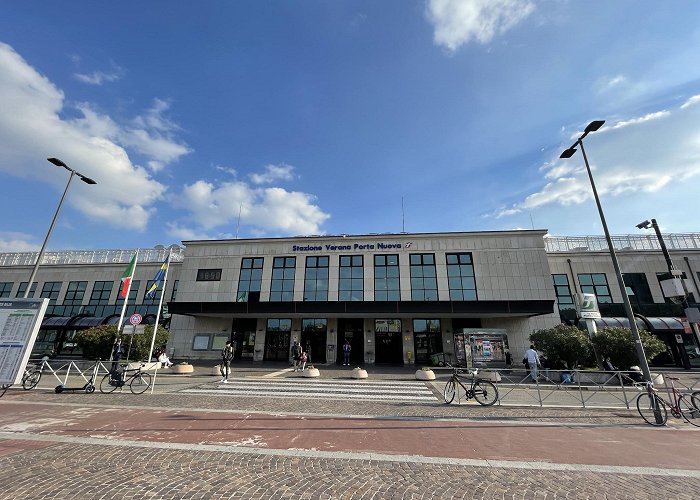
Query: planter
{"x": 182, "y": 369}
{"x": 216, "y": 370}
{"x": 358, "y": 373}
{"x": 490, "y": 376}
{"x": 311, "y": 373}
{"x": 425, "y": 375}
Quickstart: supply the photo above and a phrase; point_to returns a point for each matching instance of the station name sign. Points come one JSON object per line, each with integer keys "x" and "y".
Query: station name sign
{"x": 353, "y": 247}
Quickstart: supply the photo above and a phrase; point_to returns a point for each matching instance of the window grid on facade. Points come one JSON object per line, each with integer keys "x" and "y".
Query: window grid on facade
{"x": 156, "y": 296}
{"x": 50, "y": 291}
{"x": 351, "y": 278}
{"x": 282, "y": 283}
{"x": 460, "y": 276}
{"x": 386, "y": 278}
{"x": 250, "y": 278}
{"x": 314, "y": 325}
{"x": 316, "y": 279}
{"x": 208, "y": 274}
{"x": 23, "y": 287}
{"x": 565, "y": 300}
{"x": 5, "y": 288}
{"x": 133, "y": 292}
{"x": 75, "y": 293}
{"x": 637, "y": 288}
{"x": 423, "y": 277}
{"x": 596, "y": 283}
{"x": 101, "y": 291}
{"x": 279, "y": 325}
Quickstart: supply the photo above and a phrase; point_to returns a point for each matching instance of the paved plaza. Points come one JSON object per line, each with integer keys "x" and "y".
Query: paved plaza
{"x": 270, "y": 434}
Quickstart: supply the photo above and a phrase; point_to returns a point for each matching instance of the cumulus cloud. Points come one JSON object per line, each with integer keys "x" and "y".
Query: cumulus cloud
{"x": 648, "y": 154}
{"x": 31, "y": 129}
{"x": 457, "y": 22}
{"x": 273, "y": 173}
{"x": 271, "y": 209}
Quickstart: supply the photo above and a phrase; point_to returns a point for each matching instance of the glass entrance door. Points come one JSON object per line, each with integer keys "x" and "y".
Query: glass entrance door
{"x": 351, "y": 330}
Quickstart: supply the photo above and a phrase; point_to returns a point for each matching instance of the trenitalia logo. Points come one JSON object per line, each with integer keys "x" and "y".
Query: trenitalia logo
{"x": 349, "y": 248}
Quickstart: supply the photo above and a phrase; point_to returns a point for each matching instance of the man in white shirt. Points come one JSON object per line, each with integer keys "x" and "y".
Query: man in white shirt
{"x": 533, "y": 359}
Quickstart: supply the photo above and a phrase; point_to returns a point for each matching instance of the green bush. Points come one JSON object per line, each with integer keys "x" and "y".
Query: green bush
{"x": 618, "y": 344}
{"x": 97, "y": 342}
{"x": 563, "y": 342}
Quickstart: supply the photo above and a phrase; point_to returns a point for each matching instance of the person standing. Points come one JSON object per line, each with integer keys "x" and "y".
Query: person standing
{"x": 226, "y": 357}
{"x": 533, "y": 360}
{"x": 303, "y": 360}
{"x": 296, "y": 355}
{"x": 117, "y": 353}
{"x": 346, "y": 353}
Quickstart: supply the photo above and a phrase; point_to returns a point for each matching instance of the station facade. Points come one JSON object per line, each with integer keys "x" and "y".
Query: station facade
{"x": 396, "y": 298}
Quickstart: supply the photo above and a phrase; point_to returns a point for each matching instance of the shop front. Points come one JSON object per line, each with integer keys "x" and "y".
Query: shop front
{"x": 481, "y": 347}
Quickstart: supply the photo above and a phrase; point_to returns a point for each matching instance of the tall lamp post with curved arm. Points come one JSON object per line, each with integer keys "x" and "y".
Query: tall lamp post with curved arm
{"x": 83, "y": 178}
{"x": 568, "y": 153}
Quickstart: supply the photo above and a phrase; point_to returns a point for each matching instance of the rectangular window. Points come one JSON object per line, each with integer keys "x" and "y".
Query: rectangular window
{"x": 100, "y": 293}
{"x": 282, "y": 283}
{"x": 460, "y": 276}
{"x": 5, "y": 288}
{"x": 637, "y": 288}
{"x": 50, "y": 291}
{"x": 75, "y": 293}
{"x": 173, "y": 295}
{"x": 316, "y": 279}
{"x": 423, "y": 277}
{"x": 133, "y": 292}
{"x": 208, "y": 274}
{"x": 250, "y": 280}
{"x": 386, "y": 278}
{"x": 201, "y": 342}
{"x": 23, "y": 288}
{"x": 351, "y": 278}
{"x": 596, "y": 283}
{"x": 279, "y": 325}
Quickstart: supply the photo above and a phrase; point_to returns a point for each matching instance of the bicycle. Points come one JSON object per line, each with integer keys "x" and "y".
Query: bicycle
{"x": 654, "y": 409}
{"x": 138, "y": 381}
{"x": 485, "y": 393}
{"x": 31, "y": 377}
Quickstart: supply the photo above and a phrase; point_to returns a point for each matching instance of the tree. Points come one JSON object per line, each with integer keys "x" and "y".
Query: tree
{"x": 617, "y": 343}
{"x": 563, "y": 342}
{"x": 97, "y": 342}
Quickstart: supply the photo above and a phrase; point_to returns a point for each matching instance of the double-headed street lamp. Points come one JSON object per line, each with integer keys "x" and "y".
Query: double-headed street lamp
{"x": 83, "y": 178}
{"x": 675, "y": 273}
{"x": 592, "y": 127}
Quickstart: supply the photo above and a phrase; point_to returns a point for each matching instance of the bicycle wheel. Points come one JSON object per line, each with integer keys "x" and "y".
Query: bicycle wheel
{"x": 31, "y": 380}
{"x": 485, "y": 393}
{"x": 108, "y": 385}
{"x": 652, "y": 409}
{"x": 140, "y": 382}
{"x": 690, "y": 413}
{"x": 450, "y": 391}
{"x": 695, "y": 399}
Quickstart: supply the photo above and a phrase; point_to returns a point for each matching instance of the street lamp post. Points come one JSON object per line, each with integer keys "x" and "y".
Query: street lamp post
{"x": 592, "y": 127}
{"x": 674, "y": 273}
{"x": 83, "y": 178}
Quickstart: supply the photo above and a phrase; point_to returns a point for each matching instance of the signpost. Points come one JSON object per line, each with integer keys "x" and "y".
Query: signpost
{"x": 135, "y": 319}
{"x": 20, "y": 320}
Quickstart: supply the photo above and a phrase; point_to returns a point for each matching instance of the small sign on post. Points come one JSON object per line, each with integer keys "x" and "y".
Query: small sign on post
{"x": 135, "y": 319}
{"x": 587, "y": 306}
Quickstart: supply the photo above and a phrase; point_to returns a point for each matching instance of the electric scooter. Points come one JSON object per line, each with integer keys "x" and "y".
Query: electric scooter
{"x": 89, "y": 387}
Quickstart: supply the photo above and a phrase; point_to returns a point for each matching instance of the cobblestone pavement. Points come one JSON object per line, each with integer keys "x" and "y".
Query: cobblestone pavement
{"x": 168, "y": 445}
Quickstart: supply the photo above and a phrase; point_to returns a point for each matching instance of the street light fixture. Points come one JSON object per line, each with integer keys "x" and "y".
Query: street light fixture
{"x": 568, "y": 153}
{"x": 83, "y": 178}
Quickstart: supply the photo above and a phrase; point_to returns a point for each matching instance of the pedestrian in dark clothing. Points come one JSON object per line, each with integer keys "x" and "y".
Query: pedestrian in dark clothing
{"x": 346, "y": 353}
{"x": 226, "y": 358}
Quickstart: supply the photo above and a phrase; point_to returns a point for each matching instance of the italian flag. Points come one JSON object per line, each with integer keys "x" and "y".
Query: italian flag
{"x": 126, "y": 277}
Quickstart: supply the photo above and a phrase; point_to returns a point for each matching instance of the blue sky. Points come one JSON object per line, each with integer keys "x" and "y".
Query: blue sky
{"x": 261, "y": 119}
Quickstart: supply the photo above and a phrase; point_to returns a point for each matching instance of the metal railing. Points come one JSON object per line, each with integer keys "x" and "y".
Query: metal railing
{"x": 631, "y": 242}
{"x": 89, "y": 257}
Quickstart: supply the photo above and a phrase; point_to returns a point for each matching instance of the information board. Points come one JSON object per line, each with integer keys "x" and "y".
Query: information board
{"x": 20, "y": 320}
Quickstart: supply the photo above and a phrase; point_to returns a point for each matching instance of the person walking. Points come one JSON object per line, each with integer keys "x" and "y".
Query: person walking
{"x": 226, "y": 357}
{"x": 304, "y": 358}
{"x": 346, "y": 353}
{"x": 117, "y": 353}
{"x": 533, "y": 360}
{"x": 296, "y": 355}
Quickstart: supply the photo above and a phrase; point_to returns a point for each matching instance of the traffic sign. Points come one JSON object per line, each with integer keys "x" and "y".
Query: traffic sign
{"x": 135, "y": 319}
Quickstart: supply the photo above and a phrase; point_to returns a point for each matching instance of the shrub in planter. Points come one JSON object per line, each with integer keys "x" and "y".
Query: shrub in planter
{"x": 97, "y": 342}
{"x": 618, "y": 344}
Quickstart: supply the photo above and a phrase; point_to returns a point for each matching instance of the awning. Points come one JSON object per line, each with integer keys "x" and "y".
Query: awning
{"x": 56, "y": 322}
{"x": 649, "y": 323}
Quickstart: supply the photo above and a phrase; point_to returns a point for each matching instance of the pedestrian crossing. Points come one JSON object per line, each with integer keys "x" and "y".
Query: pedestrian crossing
{"x": 305, "y": 388}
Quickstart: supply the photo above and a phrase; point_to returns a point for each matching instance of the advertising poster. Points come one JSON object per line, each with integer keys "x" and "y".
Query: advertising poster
{"x": 20, "y": 320}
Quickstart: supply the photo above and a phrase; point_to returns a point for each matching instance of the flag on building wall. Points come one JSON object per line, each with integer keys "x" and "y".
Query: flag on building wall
{"x": 151, "y": 293}
{"x": 126, "y": 277}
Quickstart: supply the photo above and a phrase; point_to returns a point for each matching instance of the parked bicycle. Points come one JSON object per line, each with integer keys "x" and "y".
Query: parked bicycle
{"x": 483, "y": 391}
{"x": 654, "y": 409}
{"x": 137, "y": 379}
{"x": 31, "y": 376}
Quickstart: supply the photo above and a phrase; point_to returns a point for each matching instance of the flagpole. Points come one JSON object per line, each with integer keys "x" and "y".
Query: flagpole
{"x": 160, "y": 306}
{"x": 128, "y": 289}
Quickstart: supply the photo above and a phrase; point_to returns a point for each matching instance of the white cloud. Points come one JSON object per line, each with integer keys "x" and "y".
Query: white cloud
{"x": 635, "y": 121}
{"x": 11, "y": 242}
{"x": 227, "y": 170}
{"x": 457, "y": 22}
{"x": 32, "y": 129}
{"x": 691, "y": 102}
{"x": 100, "y": 77}
{"x": 273, "y": 173}
{"x": 270, "y": 209}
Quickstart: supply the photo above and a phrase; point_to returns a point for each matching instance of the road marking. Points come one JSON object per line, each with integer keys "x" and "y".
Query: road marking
{"x": 381, "y": 457}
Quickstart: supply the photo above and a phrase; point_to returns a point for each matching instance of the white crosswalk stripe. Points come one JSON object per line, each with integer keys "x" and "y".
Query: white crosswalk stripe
{"x": 388, "y": 390}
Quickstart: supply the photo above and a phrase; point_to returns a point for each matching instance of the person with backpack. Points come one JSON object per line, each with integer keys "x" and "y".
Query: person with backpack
{"x": 226, "y": 358}
{"x": 296, "y": 355}
{"x": 346, "y": 353}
